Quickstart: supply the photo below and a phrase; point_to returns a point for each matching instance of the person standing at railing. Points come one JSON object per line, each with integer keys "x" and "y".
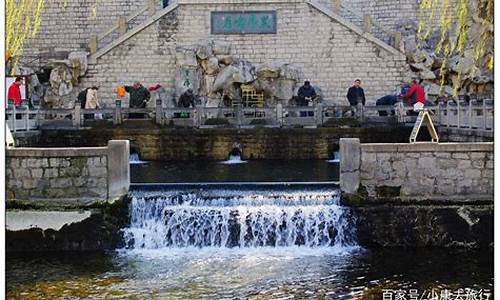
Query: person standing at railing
{"x": 355, "y": 96}
{"x": 91, "y": 102}
{"x": 14, "y": 93}
{"x": 165, "y": 3}
{"x": 138, "y": 97}
{"x": 415, "y": 94}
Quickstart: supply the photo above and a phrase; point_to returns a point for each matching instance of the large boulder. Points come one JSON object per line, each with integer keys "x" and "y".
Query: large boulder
{"x": 268, "y": 70}
{"x": 204, "y": 50}
{"x": 221, "y": 47}
{"x": 225, "y": 59}
{"x": 78, "y": 62}
{"x": 187, "y": 78}
{"x": 185, "y": 57}
{"x": 210, "y": 66}
{"x": 225, "y": 77}
{"x": 245, "y": 73}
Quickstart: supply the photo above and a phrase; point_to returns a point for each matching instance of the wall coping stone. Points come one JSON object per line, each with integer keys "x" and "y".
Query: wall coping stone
{"x": 429, "y": 147}
{"x": 57, "y": 152}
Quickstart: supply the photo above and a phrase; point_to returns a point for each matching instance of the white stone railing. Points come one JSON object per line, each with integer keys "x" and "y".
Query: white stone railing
{"x": 471, "y": 116}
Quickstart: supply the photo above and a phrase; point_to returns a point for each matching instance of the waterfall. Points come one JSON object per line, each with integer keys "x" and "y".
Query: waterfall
{"x": 135, "y": 159}
{"x": 236, "y": 218}
{"x": 233, "y": 160}
{"x": 335, "y": 158}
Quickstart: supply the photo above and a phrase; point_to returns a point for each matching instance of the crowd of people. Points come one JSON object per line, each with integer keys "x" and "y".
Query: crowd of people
{"x": 139, "y": 97}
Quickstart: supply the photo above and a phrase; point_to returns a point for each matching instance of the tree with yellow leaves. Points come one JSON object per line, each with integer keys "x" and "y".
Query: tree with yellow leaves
{"x": 464, "y": 27}
{"x": 23, "y": 19}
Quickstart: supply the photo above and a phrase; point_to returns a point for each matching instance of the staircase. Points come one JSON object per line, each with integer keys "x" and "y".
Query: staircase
{"x": 126, "y": 27}
{"x": 364, "y": 25}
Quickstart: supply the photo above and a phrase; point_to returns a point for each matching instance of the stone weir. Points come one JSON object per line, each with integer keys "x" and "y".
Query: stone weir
{"x": 157, "y": 144}
{"x": 419, "y": 195}
{"x": 66, "y": 199}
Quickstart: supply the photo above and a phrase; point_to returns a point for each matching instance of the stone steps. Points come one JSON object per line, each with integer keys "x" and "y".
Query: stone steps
{"x": 132, "y": 29}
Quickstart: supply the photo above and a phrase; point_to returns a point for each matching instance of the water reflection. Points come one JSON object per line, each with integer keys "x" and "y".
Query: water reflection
{"x": 213, "y": 273}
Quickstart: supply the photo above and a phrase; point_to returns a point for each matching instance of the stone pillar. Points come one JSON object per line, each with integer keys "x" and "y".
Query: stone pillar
{"x": 279, "y": 114}
{"x": 118, "y": 169}
{"x": 151, "y": 7}
{"x": 159, "y": 111}
{"x": 93, "y": 44}
{"x": 337, "y": 5}
{"x": 77, "y": 114}
{"x": 367, "y": 23}
{"x": 350, "y": 163}
{"x": 118, "y": 112}
{"x": 122, "y": 25}
{"x": 319, "y": 114}
{"x": 397, "y": 40}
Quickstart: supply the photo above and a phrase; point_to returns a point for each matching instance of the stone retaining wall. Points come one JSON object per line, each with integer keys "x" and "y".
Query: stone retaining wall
{"x": 215, "y": 144}
{"x": 84, "y": 175}
{"x": 417, "y": 170}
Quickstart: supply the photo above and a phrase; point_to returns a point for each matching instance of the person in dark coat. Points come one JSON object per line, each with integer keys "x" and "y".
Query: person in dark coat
{"x": 356, "y": 95}
{"x": 139, "y": 97}
{"x": 306, "y": 91}
{"x": 187, "y": 99}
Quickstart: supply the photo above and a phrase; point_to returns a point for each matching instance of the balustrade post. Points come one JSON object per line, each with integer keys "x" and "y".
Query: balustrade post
{"x": 279, "y": 114}
{"x": 93, "y": 44}
{"x": 367, "y": 23}
{"x": 470, "y": 114}
{"x": 447, "y": 113}
{"x": 77, "y": 114}
{"x": 27, "y": 119}
{"x": 159, "y": 111}
{"x": 337, "y": 6}
{"x": 484, "y": 115}
{"x": 458, "y": 113}
{"x": 122, "y": 25}
{"x": 14, "y": 116}
{"x": 151, "y": 7}
{"x": 319, "y": 114}
{"x": 117, "y": 118}
{"x": 397, "y": 40}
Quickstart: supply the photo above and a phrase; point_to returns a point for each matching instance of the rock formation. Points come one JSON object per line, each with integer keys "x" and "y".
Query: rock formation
{"x": 460, "y": 71}
{"x": 214, "y": 74}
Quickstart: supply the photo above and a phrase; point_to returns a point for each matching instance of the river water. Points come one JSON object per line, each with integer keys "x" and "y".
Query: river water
{"x": 246, "y": 243}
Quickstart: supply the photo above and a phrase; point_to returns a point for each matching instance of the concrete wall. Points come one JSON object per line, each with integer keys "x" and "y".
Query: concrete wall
{"x": 417, "y": 170}
{"x": 75, "y": 174}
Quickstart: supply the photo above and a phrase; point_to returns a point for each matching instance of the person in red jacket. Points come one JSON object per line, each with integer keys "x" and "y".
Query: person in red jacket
{"x": 14, "y": 93}
{"x": 415, "y": 94}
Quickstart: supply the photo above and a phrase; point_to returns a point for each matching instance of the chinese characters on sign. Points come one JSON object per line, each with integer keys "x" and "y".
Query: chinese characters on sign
{"x": 243, "y": 22}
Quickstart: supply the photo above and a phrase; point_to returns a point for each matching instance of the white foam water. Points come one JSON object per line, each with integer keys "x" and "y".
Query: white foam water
{"x": 134, "y": 159}
{"x": 336, "y": 158}
{"x": 239, "y": 219}
{"x": 234, "y": 160}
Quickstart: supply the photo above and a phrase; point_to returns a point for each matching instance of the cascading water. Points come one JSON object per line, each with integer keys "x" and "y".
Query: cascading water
{"x": 135, "y": 159}
{"x": 236, "y": 218}
{"x": 335, "y": 157}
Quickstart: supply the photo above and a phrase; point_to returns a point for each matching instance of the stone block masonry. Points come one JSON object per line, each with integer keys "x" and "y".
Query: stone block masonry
{"x": 331, "y": 58}
{"x": 422, "y": 170}
{"x": 73, "y": 176}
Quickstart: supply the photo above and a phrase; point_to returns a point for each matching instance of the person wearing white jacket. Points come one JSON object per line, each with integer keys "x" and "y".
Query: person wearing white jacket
{"x": 92, "y": 102}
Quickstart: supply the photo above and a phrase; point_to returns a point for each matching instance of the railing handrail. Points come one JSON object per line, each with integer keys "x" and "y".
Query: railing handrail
{"x": 471, "y": 116}
{"x": 115, "y": 27}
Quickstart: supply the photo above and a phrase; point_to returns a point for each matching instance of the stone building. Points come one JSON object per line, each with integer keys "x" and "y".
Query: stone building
{"x": 329, "y": 43}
